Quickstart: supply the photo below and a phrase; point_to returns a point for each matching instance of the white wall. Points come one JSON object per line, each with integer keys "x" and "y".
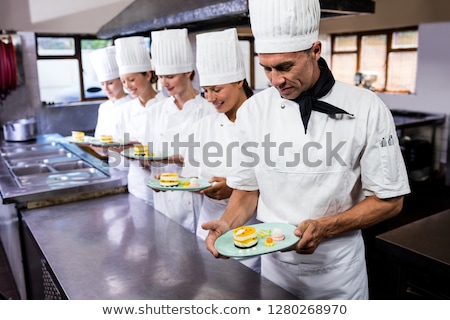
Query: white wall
{"x": 433, "y": 73}
{"x": 433, "y": 80}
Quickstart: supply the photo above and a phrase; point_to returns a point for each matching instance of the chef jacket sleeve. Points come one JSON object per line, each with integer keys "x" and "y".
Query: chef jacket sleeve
{"x": 242, "y": 173}
{"x": 383, "y": 171}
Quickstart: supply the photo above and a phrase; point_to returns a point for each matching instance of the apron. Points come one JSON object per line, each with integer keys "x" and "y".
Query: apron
{"x": 219, "y": 129}
{"x": 321, "y": 276}
{"x": 167, "y": 123}
{"x": 308, "y": 176}
{"x": 134, "y": 122}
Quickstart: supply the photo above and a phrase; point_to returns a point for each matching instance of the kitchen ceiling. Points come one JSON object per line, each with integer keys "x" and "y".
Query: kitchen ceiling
{"x": 144, "y": 16}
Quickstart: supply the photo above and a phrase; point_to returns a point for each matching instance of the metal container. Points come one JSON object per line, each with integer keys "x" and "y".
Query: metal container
{"x": 20, "y": 130}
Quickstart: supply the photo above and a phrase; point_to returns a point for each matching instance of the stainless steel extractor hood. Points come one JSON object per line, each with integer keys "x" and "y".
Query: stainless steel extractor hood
{"x": 147, "y": 15}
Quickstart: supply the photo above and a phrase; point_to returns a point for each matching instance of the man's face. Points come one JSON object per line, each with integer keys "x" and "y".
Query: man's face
{"x": 291, "y": 73}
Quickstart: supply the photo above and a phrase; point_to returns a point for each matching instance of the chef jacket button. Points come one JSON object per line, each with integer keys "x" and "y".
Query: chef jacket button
{"x": 283, "y": 106}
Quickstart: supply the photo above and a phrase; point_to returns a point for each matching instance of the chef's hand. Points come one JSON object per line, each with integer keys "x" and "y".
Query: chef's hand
{"x": 216, "y": 228}
{"x": 219, "y": 189}
{"x": 157, "y": 176}
{"x": 311, "y": 233}
{"x": 145, "y": 163}
{"x": 120, "y": 148}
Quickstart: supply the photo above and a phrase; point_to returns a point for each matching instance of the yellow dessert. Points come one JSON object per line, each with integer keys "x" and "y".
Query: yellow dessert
{"x": 78, "y": 136}
{"x": 269, "y": 242}
{"x": 140, "y": 150}
{"x": 106, "y": 138}
{"x": 245, "y": 237}
{"x": 168, "y": 179}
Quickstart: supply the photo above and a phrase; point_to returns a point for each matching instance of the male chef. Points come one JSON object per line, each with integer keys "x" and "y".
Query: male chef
{"x": 315, "y": 153}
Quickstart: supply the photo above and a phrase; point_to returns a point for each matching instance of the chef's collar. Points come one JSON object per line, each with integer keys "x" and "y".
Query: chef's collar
{"x": 309, "y": 101}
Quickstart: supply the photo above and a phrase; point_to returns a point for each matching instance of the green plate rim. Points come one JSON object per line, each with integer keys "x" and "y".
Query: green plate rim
{"x": 130, "y": 154}
{"x": 154, "y": 184}
{"x": 225, "y": 246}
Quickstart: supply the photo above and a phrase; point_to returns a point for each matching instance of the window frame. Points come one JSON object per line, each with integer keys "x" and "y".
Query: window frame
{"x": 389, "y": 36}
{"x": 78, "y": 38}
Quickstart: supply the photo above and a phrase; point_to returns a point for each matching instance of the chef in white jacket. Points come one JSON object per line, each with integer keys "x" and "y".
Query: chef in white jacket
{"x": 173, "y": 119}
{"x": 104, "y": 63}
{"x": 324, "y": 157}
{"x": 221, "y": 69}
{"x": 138, "y": 77}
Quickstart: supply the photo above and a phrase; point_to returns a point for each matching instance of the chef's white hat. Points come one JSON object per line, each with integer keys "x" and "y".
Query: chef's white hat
{"x": 171, "y": 52}
{"x": 284, "y": 25}
{"x": 132, "y": 55}
{"x": 219, "y": 58}
{"x": 104, "y": 63}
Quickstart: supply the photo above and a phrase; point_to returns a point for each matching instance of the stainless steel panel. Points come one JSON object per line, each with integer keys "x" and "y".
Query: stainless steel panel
{"x": 119, "y": 247}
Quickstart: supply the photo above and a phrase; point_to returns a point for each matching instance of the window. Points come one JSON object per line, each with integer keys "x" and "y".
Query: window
{"x": 65, "y": 73}
{"x": 380, "y": 60}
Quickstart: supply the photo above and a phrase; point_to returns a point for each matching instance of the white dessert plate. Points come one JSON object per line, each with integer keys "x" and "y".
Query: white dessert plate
{"x": 129, "y": 153}
{"x": 203, "y": 184}
{"x": 89, "y": 140}
{"x": 225, "y": 243}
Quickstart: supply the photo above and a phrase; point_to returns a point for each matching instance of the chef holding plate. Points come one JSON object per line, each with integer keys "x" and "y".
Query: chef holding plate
{"x": 317, "y": 159}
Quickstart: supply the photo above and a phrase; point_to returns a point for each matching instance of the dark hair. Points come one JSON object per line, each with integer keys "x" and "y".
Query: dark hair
{"x": 153, "y": 77}
{"x": 248, "y": 91}
{"x": 192, "y": 75}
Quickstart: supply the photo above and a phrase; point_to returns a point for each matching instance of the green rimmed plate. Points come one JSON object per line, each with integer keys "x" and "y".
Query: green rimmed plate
{"x": 203, "y": 184}
{"x": 129, "y": 153}
{"x": 225, "y": 244}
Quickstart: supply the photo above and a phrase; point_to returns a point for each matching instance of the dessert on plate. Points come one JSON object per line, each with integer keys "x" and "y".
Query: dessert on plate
{"x": 106, "y": 138}
{"x": 245, "y": 237}
{"x": 193, "y": 183}
{"x": 168, "y": 179}
{"x": 277, "y": 234}
{"x": 78, "y": 136}
{"x": 141, "y": 150}
{"x": 269, "y": 242}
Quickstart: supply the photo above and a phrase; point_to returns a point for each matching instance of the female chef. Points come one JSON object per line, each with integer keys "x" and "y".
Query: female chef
{"x": 138, "y": 77}
{"x": 173, "y": 119}
{"x": 104, "y": 63}
{"x": 220, "y": 64}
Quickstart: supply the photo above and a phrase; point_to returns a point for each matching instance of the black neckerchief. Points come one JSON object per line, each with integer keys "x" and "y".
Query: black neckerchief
{"x": 308, "y": 100}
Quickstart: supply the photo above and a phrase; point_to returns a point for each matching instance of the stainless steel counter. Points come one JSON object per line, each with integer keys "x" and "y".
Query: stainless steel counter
{"x": 65, "y": 183}
{"x": 118, "y": 247}
{"x": 421, "y": 252}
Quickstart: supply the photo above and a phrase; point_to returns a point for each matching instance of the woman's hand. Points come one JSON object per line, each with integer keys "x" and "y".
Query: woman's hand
{"x": 219, "y": 189}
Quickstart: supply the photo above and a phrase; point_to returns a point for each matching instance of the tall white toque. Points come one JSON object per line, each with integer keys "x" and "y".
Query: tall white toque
{"x": 171, "y": 52}
{"x": 104, "y": 63}
{"x": 132, "y": 55}
{"x": 219, "y": 58}
{"x": 284, "y": 25}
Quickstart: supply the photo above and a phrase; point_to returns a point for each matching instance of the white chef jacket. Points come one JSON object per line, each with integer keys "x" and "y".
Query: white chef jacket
{"x": 166, "y": 122}
{"x": 108, "y": 112}
{"x": 131, "y": 125}
{"x": 211, "y": 158}
{"x": 340, "y": 160}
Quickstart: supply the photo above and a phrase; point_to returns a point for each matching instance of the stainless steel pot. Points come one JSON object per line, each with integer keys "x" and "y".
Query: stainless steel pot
{"x": 20, "y": 130}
